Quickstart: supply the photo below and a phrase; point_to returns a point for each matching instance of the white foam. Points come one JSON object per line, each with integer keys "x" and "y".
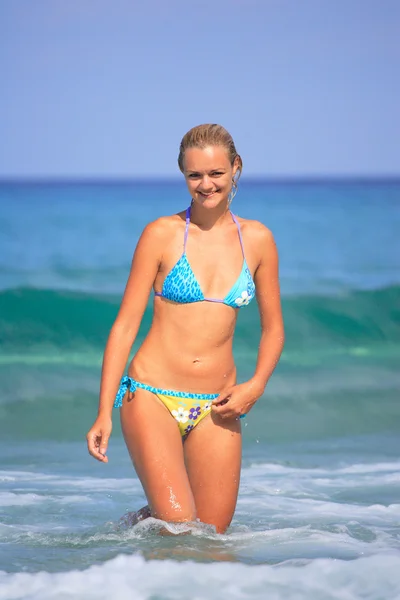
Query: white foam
{"x": 371, "y": 468}
{"x": 12, "y": 499}
{"x": 92, "y": 484}
{"x": 26, "y": 499}
{"x": 73, "y": 499}
{"x": 319, "y": 483}
{"x": 299, "y": 507}
{"x": 133, "y": 578}
{"x": 361, "y": 468}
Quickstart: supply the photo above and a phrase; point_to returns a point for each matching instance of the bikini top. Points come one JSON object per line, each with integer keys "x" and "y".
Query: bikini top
{"x": 181, "y": 285}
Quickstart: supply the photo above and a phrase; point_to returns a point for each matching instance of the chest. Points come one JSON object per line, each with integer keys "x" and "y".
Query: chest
{"x": 214, "y": 262}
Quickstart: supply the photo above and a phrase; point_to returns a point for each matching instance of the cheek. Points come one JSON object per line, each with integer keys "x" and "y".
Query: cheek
{"x": 226, "y": 183}
{"x": 191, "y": 184}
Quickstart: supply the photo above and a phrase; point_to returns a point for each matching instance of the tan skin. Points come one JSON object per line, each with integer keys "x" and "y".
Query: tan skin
{"x": 189, "y": 348}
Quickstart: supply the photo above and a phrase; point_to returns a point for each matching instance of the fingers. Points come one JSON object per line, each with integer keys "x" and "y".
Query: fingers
{"x": 231, "y": 403}
{"x": 224, "y": 407}
{"x": 222, "y": 398}
{"x": 104, "y": 445}
{"x": 234, "y": 402}
{"x": 97, "y": 438}
{"x": 228, "y": 412}
{"x": 96, "y": 446}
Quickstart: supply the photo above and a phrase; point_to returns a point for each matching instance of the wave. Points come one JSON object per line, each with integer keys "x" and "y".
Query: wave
{"x": 133, "y": 577}
{"x": 43, "y": 317}
{"x": 338, "y": 374}
{"x": 51, "y": 317}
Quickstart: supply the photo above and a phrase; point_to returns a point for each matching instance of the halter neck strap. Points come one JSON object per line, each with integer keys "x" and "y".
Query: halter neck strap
{"x": 239, "y": 231}
{"x": 186, "y": 228}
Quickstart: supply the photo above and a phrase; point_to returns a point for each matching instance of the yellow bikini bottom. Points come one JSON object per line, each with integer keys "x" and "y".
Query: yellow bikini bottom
{"x": 186, "y": 408}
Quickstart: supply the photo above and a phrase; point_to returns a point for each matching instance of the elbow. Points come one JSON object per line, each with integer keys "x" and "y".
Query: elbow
{"x": 123, "y": 330}
{"x": 280, "y": 336}
{"x": 276, "y": 335}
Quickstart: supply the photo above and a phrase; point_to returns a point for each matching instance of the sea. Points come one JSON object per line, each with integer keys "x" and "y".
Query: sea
{"x": 318, "y": 513}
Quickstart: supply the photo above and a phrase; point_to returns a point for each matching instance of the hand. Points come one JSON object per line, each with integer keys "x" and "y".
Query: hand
{"x": 97, "y": 438}
{"x": 236, "y": 400}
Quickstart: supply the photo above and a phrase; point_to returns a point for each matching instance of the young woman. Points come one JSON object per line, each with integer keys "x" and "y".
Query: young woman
{"x": 180, "y": 405}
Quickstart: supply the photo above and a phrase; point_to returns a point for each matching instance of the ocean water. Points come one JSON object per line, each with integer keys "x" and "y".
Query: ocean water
{"x": 318, "y": 514}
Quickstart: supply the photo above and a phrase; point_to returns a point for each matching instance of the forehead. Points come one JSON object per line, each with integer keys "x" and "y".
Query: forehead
{"x": 205, "y": 159}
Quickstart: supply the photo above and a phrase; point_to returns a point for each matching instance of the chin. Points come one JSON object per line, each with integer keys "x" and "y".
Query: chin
{"x": 212, "y": 202}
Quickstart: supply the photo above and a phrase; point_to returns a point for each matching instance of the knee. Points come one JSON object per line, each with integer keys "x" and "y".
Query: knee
{"x": 171, "y": 515}
{"x": 221, "y": 525}
{"x": 185, "y": 518}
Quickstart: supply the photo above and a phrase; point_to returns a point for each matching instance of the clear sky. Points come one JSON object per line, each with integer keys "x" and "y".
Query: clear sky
{"x": 107, "y": 88}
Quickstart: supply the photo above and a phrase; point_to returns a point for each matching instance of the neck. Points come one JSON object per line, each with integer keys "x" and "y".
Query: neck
{"x": 206, "y": 218}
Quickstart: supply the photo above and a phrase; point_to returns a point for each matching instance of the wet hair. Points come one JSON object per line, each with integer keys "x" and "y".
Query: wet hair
{"x": 210, "y": 134}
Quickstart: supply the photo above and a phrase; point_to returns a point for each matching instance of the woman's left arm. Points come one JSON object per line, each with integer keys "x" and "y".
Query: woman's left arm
{"x": 269, "y": 304}
{"x": 239, "y": 399}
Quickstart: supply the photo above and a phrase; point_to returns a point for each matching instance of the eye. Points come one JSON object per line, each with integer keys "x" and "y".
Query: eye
{"x": 217, "y": 173}
{"x": 194, "y": 176}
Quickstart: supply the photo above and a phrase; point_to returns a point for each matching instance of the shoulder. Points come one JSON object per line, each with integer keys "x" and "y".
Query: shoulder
{"x": 256, "y": 232}
{"x": 162, "y": 228}
{"x": 260, "y": 242}
{"x": 156, "y": 236}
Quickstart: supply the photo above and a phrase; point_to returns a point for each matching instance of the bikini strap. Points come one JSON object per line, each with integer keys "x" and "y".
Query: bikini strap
{"x": 239, "y": 232}
{"x": 186, "y": 228}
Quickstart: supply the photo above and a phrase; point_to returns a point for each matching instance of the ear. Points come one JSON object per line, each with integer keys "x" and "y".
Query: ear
{"x": 236, "y": 165}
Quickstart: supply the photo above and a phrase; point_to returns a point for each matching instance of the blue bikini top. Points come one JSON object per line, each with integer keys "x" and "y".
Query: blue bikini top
{"x": 181, "y": 285}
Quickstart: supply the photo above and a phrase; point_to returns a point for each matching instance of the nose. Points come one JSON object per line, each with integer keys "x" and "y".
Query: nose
{"x": 206, "y": 185}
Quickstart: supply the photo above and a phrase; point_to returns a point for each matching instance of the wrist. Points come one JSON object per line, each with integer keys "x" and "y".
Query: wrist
{"x": 258, "y": 384}
{"x": 104, "y": 413}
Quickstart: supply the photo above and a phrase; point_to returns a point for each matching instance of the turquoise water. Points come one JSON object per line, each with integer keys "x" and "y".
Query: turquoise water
{"x": 318, "y": 514}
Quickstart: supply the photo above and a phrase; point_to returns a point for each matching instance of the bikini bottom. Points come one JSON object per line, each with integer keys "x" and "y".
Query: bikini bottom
{"x": 186, "y": 408}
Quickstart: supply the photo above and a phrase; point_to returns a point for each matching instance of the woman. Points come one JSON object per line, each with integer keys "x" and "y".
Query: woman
{"x": 203, "y": 264}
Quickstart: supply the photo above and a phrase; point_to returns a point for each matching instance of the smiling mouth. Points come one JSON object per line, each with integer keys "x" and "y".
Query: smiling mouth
{"x": 208, "y": 195}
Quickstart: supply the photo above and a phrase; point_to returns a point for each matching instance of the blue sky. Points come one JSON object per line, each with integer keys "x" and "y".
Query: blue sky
{"x": 101, "y": 88}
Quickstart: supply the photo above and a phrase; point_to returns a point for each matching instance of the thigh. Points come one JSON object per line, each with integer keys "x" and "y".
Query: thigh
{"x": 213, "y": 459}
{"x": 155, "y": 446}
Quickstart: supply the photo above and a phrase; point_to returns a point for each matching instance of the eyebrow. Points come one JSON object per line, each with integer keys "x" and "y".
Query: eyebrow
{"x": 210, "y": 171}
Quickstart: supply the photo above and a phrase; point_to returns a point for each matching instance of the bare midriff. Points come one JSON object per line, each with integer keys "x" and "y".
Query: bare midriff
{"x": 188, "y": 348}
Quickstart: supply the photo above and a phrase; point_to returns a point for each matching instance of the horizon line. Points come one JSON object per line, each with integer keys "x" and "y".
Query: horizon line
{"x": 273, "y": 179}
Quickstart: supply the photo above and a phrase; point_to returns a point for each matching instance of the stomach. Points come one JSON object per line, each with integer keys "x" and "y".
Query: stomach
{"x": 188, "y": 348}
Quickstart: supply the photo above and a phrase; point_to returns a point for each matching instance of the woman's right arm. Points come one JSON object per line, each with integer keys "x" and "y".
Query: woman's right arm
{"x": 145, "y": 265}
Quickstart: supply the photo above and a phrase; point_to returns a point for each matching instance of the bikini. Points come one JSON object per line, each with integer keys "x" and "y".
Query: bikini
{"x": 182, "y": 287}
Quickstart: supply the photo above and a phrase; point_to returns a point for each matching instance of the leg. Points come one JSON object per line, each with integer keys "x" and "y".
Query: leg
{"x": 134, "y": 517}
{"x": 155, "y": 446}
{"x": 213, "y": 459}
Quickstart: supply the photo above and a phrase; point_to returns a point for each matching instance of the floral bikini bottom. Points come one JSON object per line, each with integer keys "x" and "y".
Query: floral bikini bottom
{"x": 186, "y": 408}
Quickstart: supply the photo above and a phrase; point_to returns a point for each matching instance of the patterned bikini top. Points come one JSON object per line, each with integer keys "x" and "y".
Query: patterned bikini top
{"x": 181, "y": 285}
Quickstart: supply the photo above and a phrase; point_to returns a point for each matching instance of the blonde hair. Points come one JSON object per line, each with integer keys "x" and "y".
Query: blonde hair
{"x": 211, "y": 134}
